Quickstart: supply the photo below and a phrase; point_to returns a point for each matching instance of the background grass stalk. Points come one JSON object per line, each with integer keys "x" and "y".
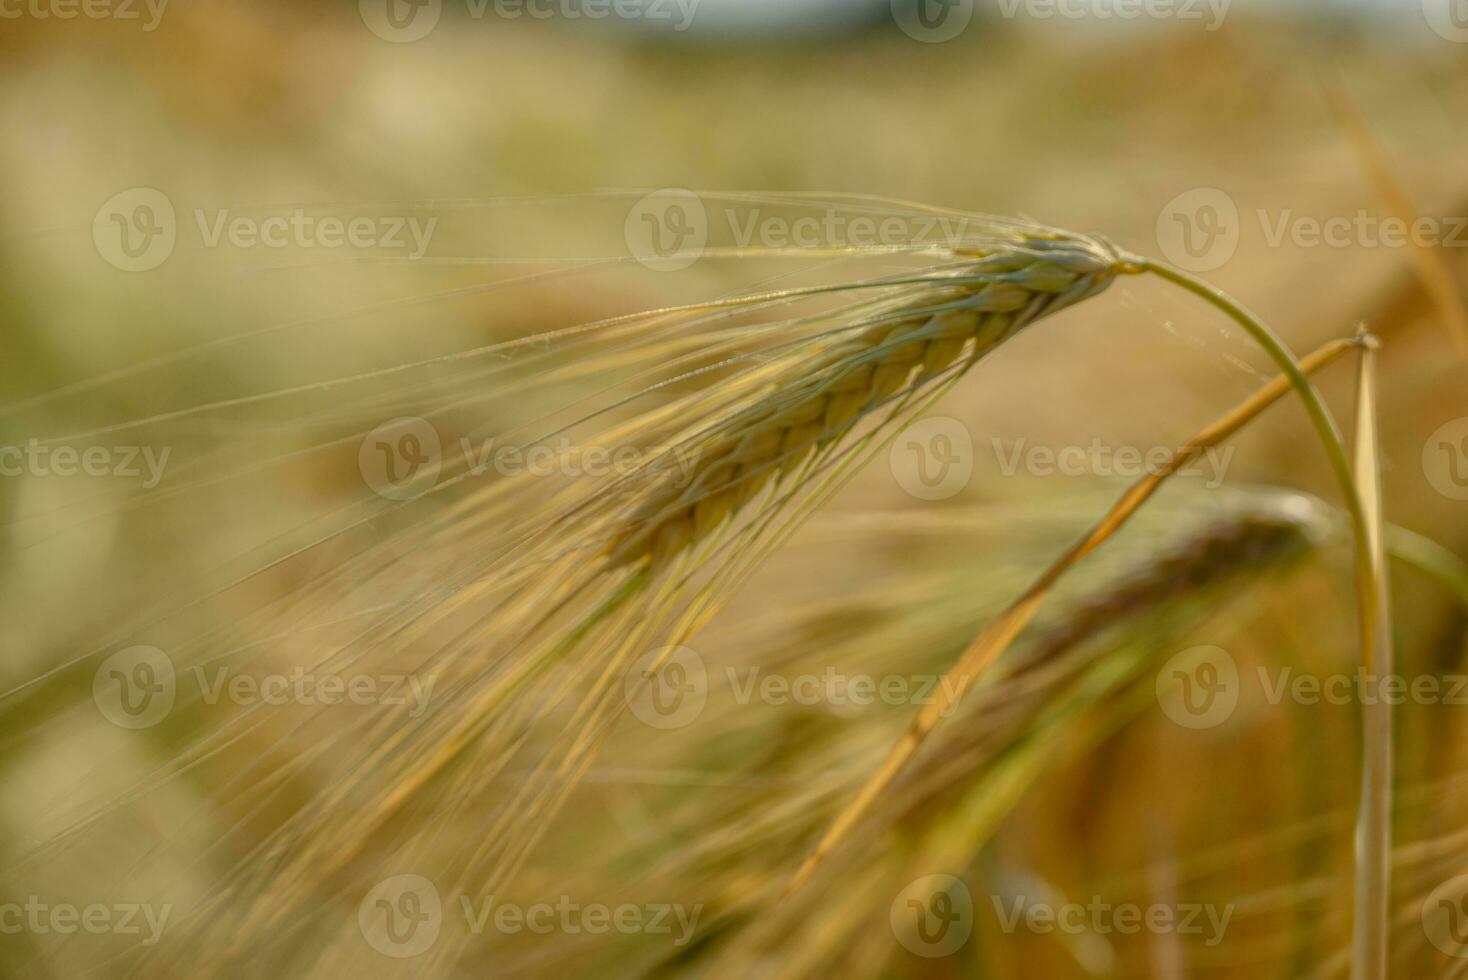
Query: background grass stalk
{"x": 1374, "y": 818}
{"x": 1427, "y": 263}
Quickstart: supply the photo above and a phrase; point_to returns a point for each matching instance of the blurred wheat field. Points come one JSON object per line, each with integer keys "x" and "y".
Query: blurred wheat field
{"x": 338, "y": 365}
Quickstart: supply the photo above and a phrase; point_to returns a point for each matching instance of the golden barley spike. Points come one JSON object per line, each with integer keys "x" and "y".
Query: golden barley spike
{"x": 963, "y": 315}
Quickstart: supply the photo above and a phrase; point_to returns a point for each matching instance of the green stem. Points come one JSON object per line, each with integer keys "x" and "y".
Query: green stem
{"x": 1373, "y": 844}
{"x": 1320, "y": 417}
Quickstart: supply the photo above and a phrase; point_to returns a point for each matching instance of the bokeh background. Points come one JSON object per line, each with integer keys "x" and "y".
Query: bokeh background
{"x": 1216, "y": 135}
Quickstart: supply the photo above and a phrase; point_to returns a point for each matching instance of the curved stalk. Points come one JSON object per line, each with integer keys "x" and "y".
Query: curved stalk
{"x": 1320, "y": 417}
{"x": 1374, "y": 825}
